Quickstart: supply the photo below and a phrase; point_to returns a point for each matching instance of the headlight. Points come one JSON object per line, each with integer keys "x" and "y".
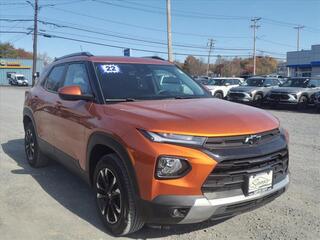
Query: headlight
{"x": 174, "y": 138}
{"x": 285, "y": 133}
{"x": 171, "y": 167}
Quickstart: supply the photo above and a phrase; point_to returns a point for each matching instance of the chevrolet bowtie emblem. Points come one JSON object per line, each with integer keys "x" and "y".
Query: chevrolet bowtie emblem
{"x": 253, "y": 139}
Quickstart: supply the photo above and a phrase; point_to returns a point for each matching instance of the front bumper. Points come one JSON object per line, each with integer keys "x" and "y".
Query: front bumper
{"x": 193, "y": 209}
{"x": 283, "y": 99}
{"x": 240, "y": 97}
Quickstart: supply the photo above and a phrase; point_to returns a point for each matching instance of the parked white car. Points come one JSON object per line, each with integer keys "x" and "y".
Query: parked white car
{"x": 220, "y": 87}
{"x": 18, "y": 79}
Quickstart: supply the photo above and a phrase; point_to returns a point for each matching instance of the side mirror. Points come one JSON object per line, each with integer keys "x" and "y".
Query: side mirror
{"x": 37, "y": 75}
{"x": 73, "y": 93}
{"x": 227, "y": 84}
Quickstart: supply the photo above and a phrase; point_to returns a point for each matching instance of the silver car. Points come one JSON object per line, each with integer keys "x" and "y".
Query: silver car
{"x": 253, "y": 90}
{"x": 295, "y": 91}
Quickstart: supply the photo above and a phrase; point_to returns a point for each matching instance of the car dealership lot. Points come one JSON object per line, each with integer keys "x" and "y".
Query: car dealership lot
{"x": 52, "y": 203}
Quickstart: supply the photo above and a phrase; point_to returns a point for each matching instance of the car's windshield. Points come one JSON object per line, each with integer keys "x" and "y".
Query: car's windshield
{"x": 254, "y": 82}
{"x": 296, "y": 82}
{"x": 20, "y": 78}
{"x": 146, "y": 81}
{"x": 215, "y": 82}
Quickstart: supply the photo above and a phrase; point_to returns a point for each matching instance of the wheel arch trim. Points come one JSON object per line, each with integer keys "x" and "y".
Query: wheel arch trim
{"x": 108, "y": 140}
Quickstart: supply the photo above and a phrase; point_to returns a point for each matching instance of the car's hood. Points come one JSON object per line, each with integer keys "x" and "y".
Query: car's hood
{"x": 213, "y": 87}
{"x": 202, "y": 117}
{"x": 289, "y": 90}
{"x": 247, "y": 89}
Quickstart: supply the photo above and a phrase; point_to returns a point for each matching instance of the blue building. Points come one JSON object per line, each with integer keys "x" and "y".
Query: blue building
{"x": 304, "y": 63}
{"x": 18, "y": 66}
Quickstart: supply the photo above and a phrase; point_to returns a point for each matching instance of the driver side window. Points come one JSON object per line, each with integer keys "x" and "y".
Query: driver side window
{"x": 77, "y": 75}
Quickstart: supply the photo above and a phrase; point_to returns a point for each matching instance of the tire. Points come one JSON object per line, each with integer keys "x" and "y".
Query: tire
{"x": 303, "y": 102}
{"x": 116, "y": 204}
{"x": 257, "y": 99}
{"x": 218, "y": 95}
{"x": 34, "y": 155}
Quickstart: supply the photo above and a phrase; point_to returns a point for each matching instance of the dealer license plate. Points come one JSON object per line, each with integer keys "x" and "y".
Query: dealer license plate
{"x": 260, "y": 182}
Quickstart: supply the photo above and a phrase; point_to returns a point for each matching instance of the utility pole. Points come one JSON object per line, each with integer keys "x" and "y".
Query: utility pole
{"x": 210, "y": 45}
{"x": 170, "y": 56}
{"x": 35, "y": 7}
{"x": 255, "y": 27}
{"x": 298, "y": 35}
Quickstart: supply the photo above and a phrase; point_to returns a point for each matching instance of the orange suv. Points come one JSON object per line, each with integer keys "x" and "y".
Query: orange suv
{"x": 152, "y": 142}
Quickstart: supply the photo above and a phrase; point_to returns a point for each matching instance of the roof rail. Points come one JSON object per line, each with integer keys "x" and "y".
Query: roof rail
{"x": 74, "y": 55}
{"x": 155, "y": 57}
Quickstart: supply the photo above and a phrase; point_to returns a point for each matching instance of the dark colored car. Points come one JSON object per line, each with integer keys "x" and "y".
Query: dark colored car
{"x": 253, "y": 90}
{"x": 295, "y": 91}
{"x": 317, "y": 100}
{"x": 155, "y": 146}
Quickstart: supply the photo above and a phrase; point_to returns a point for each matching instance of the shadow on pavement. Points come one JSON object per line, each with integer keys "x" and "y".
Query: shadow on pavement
{"x": 75, "y": 195}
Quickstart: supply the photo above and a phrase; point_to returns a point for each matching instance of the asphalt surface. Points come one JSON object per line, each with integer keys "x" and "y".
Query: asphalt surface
{"x": 52, "y": 203}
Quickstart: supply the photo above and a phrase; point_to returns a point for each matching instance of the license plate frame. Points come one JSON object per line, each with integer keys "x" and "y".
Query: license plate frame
{"x": 259, "y": 182}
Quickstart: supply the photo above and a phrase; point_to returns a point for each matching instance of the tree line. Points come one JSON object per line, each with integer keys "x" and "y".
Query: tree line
{"x": 229, "y": 67}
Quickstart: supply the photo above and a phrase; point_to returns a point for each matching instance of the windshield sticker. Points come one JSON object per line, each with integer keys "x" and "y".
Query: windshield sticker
{"x": 110, "y": 68}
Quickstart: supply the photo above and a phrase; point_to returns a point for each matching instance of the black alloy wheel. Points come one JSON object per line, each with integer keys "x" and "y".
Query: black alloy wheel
{"x": 109, "y": 196}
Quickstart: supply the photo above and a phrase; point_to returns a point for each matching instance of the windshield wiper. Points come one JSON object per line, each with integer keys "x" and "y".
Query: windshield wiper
{"x": 115, "y": 100}
{"x": 185, "y": 97}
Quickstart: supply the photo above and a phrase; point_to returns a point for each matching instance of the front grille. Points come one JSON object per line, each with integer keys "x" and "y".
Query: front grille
{"x": 278, "y": 96}
{"x": 236, "y": 95}
{"x": 238, "y": 141}
{"x": 232, "y": 174}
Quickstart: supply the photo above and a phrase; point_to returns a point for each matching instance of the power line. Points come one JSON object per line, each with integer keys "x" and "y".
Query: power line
{"x": 188, "y": 14}
{"x": 142, "y": 27}
{"x": 119, "y": 47}
{"x": 129, "y": 38}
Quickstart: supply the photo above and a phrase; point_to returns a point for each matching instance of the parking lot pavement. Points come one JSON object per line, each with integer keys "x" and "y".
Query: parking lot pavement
{"x": 52, "y": 203}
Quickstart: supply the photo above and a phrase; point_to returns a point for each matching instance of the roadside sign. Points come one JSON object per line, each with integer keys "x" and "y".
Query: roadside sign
{"x": 127, "y": 52}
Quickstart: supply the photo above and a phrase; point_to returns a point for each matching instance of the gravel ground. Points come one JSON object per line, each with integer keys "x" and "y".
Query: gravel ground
{"x": 52, "y": 203}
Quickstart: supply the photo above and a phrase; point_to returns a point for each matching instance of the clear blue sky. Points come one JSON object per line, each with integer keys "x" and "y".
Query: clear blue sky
{"x": 193, "y": 23}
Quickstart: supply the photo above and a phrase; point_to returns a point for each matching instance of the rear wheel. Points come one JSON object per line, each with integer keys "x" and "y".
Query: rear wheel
{"x": 33, "y": 153}
{"x": 116, "y": 204}
{"x": 218, "y": 95}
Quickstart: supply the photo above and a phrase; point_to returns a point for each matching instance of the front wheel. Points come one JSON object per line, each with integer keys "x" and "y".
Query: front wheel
{"x": 218, "y": 95}
{"x": 303, "y": 102}
{"x": 258, "y": 99}
{"x": 116, "y": 204}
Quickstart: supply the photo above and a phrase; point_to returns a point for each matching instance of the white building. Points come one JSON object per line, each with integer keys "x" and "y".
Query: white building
{"x": 304, "y": 63}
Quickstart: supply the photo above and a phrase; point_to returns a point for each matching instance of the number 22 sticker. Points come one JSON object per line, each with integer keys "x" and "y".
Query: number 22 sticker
{"x": 110, "y": 68}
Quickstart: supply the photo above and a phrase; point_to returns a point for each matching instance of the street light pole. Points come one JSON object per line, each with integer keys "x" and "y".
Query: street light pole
{"x": 210, "y": 45}
{"x": 170, "y": 57}
{"x": 298, "y": 36}
{"x": 35, "y": 6}
{"x": 255, "y": 27}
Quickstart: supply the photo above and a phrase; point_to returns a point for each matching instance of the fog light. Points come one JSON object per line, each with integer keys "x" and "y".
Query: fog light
{"x": 179, "y": 212}
{"x": 171, "y": 167}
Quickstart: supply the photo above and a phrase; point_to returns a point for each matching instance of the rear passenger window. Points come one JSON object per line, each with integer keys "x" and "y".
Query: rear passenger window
{"x": 53, "y": 81}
